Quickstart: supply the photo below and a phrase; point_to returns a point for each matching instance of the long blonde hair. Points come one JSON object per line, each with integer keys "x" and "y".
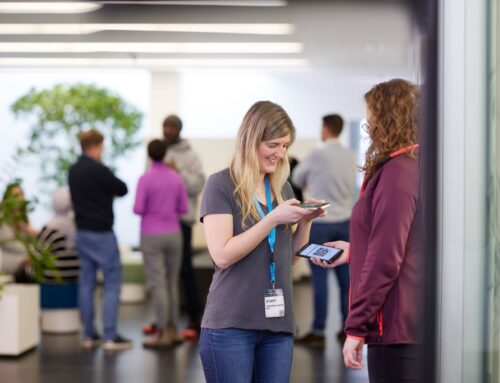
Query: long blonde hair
{"x": 264, "y": 121}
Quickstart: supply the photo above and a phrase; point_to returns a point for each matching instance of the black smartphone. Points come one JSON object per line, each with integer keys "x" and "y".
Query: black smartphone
{"x": 314, "y": 206}
{"x": 325, "y": 253}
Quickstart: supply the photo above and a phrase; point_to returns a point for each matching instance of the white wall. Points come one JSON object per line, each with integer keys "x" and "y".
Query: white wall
{"x": 213, "y": 102}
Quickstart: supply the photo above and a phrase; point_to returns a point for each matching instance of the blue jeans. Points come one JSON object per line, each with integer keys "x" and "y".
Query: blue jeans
{"x": 321, "y": 233}
{"x": 99, "y": 250}
{"x": 232, "y": 355}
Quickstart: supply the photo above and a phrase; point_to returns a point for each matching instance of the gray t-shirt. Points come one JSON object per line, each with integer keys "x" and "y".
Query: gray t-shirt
{"x": 236, "y": 295}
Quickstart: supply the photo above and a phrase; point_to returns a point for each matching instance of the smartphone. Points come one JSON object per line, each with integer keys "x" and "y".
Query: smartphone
{"x": 325, "y": 253}
{"x": 314, "y": 206}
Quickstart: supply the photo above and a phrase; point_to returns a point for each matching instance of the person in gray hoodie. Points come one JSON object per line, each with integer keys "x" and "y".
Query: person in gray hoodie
{"x": 182, "y": 158}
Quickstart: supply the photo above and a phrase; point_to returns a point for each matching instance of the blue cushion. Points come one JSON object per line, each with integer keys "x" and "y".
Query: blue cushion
{"x": 59, "y": 296}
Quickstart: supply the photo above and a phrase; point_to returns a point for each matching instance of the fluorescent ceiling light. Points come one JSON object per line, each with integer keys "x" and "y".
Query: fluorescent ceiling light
{"x": 72, "y": 47}
{"x": 226, "y": 3}
{"x": 285, "y": 62}
{"x": 78, "y": 29}
{"x": 17, "y": 62}
{"x": 48, "y": 7}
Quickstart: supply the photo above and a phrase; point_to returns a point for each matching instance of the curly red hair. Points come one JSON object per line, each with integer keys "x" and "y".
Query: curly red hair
{"x": 392, "y": 121}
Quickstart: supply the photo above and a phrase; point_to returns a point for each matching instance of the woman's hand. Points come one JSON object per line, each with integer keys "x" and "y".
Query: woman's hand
{"x": 353, "y": 352}
{"x": 339, "y": 261}
{"x": 288, "y": 212}
{"x": 314, "y": 213}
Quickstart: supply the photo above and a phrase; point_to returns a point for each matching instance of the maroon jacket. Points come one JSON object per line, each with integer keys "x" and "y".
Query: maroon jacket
{"x": 384, "y": 256}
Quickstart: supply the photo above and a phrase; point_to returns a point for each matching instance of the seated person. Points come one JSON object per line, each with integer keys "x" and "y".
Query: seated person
{"x": 59, "y": 234}
{"x": 14, "y": 228}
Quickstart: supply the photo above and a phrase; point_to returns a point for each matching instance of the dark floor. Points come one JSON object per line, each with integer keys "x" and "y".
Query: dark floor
{"x": 59, "y": 358}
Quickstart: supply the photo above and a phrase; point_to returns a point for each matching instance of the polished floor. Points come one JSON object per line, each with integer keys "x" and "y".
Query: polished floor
{"x": 59, "y": 358}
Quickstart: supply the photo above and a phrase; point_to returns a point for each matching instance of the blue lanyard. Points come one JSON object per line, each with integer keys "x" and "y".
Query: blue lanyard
{"x": 271, "y": 237}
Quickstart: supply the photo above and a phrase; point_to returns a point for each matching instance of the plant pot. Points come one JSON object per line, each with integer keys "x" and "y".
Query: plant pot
{"x": 19, "y": 318}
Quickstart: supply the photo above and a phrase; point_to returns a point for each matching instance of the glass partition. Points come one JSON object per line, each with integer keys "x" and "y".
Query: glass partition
{"x": 493, "y": 335}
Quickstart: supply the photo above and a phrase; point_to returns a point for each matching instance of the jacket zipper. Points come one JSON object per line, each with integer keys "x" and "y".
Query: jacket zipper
{"x": 380, "y": 322}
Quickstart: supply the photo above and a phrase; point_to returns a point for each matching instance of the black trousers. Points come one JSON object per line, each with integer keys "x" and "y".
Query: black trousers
{"x": 398, "y": 363}
{"x": 188, "y": 277}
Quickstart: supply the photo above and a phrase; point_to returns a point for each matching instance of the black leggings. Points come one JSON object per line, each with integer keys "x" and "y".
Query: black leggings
{"x": 398, "y": 363}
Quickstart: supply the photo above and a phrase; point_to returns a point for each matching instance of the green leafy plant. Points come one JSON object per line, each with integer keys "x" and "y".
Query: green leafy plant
{"x": 14, "y": 212}
{"x": 58, "y": 114}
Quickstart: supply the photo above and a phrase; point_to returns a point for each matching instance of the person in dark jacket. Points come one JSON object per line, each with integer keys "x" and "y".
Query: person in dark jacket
{"x": 93, "y": 187}
{"x": 383, "y": 253}
{"x": 182, "y": 158}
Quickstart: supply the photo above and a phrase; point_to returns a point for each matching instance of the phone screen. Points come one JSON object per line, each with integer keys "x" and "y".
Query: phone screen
{"x": 324, "y": 253}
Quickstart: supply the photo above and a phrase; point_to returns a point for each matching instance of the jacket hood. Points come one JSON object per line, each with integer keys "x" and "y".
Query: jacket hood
{"x": 61, "y": 201}
{"x": 181, "y": 146}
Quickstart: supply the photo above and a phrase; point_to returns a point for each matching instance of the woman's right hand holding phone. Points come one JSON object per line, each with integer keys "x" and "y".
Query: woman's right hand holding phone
{"x": 339, "y": 261}
{"x": 288, "y": 212}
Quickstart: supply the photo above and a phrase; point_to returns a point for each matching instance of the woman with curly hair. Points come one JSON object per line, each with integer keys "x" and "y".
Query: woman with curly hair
{"x": 383, "y": 253}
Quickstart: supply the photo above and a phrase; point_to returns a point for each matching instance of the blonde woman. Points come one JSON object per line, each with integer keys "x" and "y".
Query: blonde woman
{"x": 248, "y": 211}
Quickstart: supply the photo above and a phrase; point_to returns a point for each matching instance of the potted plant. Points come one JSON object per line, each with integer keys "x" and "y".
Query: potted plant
{"x": 19, "y": 303}
{"x": 14, "y": 214}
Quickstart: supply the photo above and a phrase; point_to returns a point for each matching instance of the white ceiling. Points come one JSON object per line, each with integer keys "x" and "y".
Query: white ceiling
{"x": 374, "y": 37}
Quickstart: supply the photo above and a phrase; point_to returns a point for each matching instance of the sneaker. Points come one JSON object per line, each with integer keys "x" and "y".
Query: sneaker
{"x": 161, "y": 339}
{"x": 311, "y": 340}
{"x": 192, "y": 331}
{"x": 91, "y": 342}
{"x": 119, "y": 343}
{"x": 174, "y": 335}
{"x": 150, "y": 329}
{"x": 190, "y": 334}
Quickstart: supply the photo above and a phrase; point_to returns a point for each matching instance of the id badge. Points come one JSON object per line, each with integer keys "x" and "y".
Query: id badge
{"x": 274, "y": 303}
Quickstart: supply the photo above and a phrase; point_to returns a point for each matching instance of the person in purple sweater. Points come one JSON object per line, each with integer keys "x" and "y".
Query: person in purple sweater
{"x": 383, "y": 254}
{"x": 160, "y": 200}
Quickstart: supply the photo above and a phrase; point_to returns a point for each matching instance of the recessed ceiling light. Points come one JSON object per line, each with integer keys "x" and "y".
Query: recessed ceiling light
{"x": 204, "y": 47}
{"x": 48, "y": 7}
{"x": 175, "y": 62}
{"x": 77, "y": 29}
{"x": 154, "y": 63}
{"x": 226, "y": 3}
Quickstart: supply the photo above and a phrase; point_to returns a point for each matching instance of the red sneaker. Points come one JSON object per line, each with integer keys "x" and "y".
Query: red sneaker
{"x": 190, "y": 334}
{"x": 150, "y": 329}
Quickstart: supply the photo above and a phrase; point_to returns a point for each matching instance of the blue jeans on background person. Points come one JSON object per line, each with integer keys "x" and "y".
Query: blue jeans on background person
{"x": 231, "y": 355}
{"x": 99, "y": 250}
{"x": 321, "y": 233}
